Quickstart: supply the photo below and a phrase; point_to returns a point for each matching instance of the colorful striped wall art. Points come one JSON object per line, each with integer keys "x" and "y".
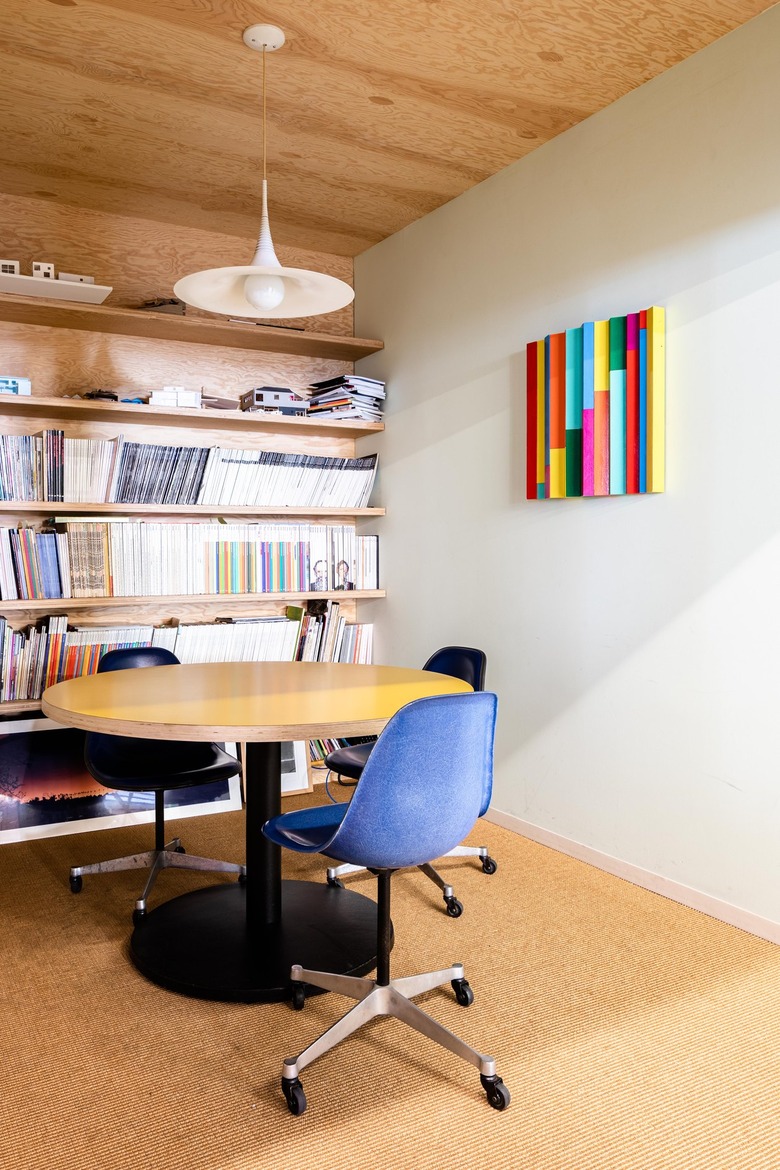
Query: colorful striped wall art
{"x": 596, "y": 409}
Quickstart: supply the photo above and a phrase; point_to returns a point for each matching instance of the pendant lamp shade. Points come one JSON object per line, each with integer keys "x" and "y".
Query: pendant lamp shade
{"x": 264, "y": 288}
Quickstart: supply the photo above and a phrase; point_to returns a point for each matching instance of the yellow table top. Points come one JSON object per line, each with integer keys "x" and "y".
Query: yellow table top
{"x": 243, "y": 701}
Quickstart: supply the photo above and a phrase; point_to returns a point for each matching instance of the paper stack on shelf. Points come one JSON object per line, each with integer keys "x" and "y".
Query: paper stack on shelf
{"x": 348, "y": 396}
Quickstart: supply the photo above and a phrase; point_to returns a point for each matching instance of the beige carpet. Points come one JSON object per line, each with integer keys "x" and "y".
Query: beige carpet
{"x": 633, "y": 1034}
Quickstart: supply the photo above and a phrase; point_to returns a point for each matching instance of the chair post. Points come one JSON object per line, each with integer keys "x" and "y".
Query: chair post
{"x": 383, "y": 928}
{"x": 159, "y": 820}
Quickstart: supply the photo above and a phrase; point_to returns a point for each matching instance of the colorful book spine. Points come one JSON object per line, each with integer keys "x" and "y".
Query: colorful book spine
{"x": 617, "y": 406}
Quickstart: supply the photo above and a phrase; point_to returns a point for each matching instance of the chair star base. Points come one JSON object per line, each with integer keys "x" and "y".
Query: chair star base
{"x": 171, "y": 856}
{"x": 391, "y": 999}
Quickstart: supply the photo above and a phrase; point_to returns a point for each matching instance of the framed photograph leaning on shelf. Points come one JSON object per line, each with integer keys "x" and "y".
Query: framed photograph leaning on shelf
{"x": 296, "y": 773}
{"x": 46, "y": 791}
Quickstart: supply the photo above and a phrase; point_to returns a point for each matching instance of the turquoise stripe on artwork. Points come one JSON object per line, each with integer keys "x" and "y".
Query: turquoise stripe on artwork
{"x": 617, "y": 432}
{"x": 574, "y": 379}
{"x": 587, "y": 366}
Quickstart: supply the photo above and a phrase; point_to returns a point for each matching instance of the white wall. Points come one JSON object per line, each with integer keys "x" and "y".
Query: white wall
{"x": 634, "y": 642}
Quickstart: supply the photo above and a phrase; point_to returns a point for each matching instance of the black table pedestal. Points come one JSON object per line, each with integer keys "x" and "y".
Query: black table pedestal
{"x": 199, "y": 944}
{"x": 237, "y": 942}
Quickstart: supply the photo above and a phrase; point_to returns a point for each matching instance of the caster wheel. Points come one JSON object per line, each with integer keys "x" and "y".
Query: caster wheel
{"x": 180, "y": 849}
{"x": 497, "y": 1092}
{"x": 489, "y": 865}
{"x": 242, "y": 879}
{"x": 75, "y": 884}
{"x": 454, "y": 907}
{"x": 294, "y": 1096}
{"x": 298, "y": 996}
{"x": 336, "y": 883}
{"x": 138, "y": 915}
{"x": 463, "y": 992}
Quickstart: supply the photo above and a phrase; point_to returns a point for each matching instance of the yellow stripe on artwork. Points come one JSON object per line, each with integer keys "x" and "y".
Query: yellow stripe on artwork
{"x": 557, "y": 473}
{"x": 656, "y": 398}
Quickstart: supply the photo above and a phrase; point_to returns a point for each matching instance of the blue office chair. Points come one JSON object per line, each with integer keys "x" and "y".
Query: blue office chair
{"x": 409, "y": 807}
{"x": 152, "y": 765}
{"x": 462, "y": 662}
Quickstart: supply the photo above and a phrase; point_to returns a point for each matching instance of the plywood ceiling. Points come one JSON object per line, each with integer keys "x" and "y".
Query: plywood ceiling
{"x": 379, "y": 111}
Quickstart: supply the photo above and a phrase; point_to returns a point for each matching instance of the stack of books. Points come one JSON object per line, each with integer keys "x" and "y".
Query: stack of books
{"x": 349, "y": 396}
{"x": 38, "y": 657}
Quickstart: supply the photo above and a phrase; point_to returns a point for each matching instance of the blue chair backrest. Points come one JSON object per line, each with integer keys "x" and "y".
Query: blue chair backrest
{"x": 134, "y": 656}
{"x": 99, "y": 748}
{"x": 461, "y": 662}
{"x": 424, "y": 784}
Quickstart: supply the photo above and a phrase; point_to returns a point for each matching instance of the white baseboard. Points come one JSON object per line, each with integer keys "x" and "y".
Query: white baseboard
{"x": 646, "y": 879}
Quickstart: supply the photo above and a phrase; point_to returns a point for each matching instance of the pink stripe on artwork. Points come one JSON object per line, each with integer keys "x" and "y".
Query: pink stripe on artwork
{"x": 588, "y": 435}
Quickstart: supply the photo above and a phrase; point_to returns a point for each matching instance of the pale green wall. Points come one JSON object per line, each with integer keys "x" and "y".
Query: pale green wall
{"x": 634, "y": 643}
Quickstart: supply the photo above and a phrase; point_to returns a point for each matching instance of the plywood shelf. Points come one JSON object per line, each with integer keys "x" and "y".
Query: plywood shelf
{"x": 46, "y": 509}
{"x": 19, "y": 707}
{"x": 172, "y": 327}
{"x": 213, "y": 601}
{"x": 128, "y": 413}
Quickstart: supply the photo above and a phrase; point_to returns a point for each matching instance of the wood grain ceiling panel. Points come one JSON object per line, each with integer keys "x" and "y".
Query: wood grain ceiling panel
{"x": 377, "y": 112}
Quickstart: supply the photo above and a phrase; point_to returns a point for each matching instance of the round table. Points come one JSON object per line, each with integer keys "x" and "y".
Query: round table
{"x": 237, "y": 942}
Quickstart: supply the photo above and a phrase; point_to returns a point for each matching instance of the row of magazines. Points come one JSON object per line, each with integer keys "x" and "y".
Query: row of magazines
{"x": 119, "y": 557}
{"x": 51, "y": 651}
{"x": 48, "y": 467}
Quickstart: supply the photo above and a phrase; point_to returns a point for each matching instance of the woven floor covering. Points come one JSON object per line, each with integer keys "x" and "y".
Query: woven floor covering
{"x": 633, "y": 1033}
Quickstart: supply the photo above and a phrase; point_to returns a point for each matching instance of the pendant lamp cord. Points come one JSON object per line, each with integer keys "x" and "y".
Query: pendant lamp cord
{"x": 264, "y": 52}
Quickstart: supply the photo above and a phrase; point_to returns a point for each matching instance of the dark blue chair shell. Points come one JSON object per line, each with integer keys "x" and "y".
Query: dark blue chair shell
{"x": 131, "y": 764}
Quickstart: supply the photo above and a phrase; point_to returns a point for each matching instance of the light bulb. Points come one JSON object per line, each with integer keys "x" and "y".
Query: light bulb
{"x": 264, "y": 292}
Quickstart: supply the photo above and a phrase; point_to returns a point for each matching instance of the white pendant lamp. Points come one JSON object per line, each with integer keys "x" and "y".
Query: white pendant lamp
{"x": 264, "y": 288}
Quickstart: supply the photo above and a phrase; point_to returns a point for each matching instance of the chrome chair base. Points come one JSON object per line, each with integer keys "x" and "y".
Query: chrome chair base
{"x": 454, "y": 907}
{"x": 390, "y": 999}
{"x": 171, "y": 856}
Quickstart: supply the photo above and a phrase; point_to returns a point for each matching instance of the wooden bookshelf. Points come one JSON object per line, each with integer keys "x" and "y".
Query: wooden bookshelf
{"x": 172, "y": 327}
{"x": 125, "y": 414}
{"x": 91, "y": 418}
{"x": 42, "y": 508}
{"x": 223, "y": 603}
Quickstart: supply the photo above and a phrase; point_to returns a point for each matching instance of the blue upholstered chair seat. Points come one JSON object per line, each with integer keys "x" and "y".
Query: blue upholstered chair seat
{"x": 307, "y": 830}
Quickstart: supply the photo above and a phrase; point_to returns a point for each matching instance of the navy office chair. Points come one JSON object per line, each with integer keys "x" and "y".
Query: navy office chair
{"x": 462, "y": 662}
{"x": 401, "y": 814}
{"x": 152, "y": 765}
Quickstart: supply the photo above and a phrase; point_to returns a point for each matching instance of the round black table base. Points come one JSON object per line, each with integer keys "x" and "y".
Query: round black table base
{"x": 198, "y": 944}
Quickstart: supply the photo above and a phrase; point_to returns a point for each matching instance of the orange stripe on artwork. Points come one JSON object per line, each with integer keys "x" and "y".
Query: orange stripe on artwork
{"x": 557, "y": 390}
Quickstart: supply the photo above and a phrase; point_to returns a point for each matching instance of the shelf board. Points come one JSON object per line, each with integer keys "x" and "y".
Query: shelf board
{"x": 172, "y": 327}
{"x": 127, "y": 413}
{"x": 19, "y": 707}
{"x": 43, "y": 508}
{"x": 55, "y": 605}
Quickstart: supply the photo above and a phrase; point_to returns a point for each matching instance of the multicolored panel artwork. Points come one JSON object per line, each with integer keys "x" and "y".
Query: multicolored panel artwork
{"x": 596, "y": 409}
